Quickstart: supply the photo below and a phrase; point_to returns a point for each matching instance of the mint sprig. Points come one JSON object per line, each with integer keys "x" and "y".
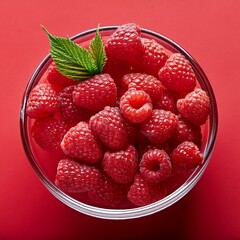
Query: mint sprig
{"x": 74, "y": 61}
{"x": 97, "y": 51}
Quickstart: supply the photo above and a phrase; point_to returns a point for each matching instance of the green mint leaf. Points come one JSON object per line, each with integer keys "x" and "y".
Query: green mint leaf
{"x": 97, "y": 51}
{"x": 71, "y": 59}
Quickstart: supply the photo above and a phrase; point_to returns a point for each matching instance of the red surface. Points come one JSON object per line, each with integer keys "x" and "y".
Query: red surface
{"x": 209, "y": 30}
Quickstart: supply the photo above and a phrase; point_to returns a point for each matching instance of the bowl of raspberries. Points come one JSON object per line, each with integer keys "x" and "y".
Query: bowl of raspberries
{"x": 118, "y": 122}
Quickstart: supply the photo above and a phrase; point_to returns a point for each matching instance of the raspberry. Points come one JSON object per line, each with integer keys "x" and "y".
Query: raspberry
{"x": 143, "y": 192}
{"x": 80, "y": 143}
{"x": 121, "y": 165}
{"x": 70, "y": 112}
{"x": 151, "y": 85}
{"x": 117, "y": 68}
{"x": 49, "y": 132}
{"x": 160, "y": 126}
{"x": 186, "y": 131}
{"x": 55, "y": 78}
{"x": 167, "y": 101}
{"x": 136, "y": 105}
{"x": 177, "y": 74}
{"x": 155, "y": 165}
{"x": 96, "y": 92}
{"x": 147, "y": 145}
{"x": 195, "y": 107}
{"x": 125, "y": 43}
{"x": 73, "y": 177}
{"x": 154, "y": 57}
{"x": 107, "y": 192}
{"x": 110, "y": 126}
{"x": 185, "y": 157}
{"x": 42, "y": 102}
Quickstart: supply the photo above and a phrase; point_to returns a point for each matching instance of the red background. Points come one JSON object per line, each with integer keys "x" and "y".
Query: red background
{"x": 208, "y": 29}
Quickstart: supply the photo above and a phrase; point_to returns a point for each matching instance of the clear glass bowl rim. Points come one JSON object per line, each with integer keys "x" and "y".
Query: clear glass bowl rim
{"x": 120, "y": 214}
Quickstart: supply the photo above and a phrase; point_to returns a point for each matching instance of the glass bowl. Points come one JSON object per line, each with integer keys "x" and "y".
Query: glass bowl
{"x": 44, "y": 171}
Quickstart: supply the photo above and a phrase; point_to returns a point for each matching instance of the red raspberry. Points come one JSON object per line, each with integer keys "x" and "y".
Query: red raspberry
{"x": 151, "y": 85}
{"x": 186, "y": 131}
{"x": 107, "y": 192}
{"x": 49, "y": 132}
{"x": 125, "y": 43}
{"x": 155, "y": 165}
{"x": 73, "y": 177}
{"x": 186, "y": 157}
{"x": 160, "y": 126}
{"x": 117, "y": 68}
{"x": 121, "y": 166}
{"x": 177, "y": 74}
{"x": 70, "y": 112}
{"x": 80, "y": 143}
{"x": 154, "y": 57}
{"x": 110, "y": 126}
{"x": 96, "y": 92}
{"x": 42, "y": 102}
{"x": 143, "y": 192}
{"x": 55, "y": 78}
{"x": 136, "y": 105}
{"x": 147, "y": 145}
{"x": 195, "y": 107}
{"x": 167, "y": 101}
